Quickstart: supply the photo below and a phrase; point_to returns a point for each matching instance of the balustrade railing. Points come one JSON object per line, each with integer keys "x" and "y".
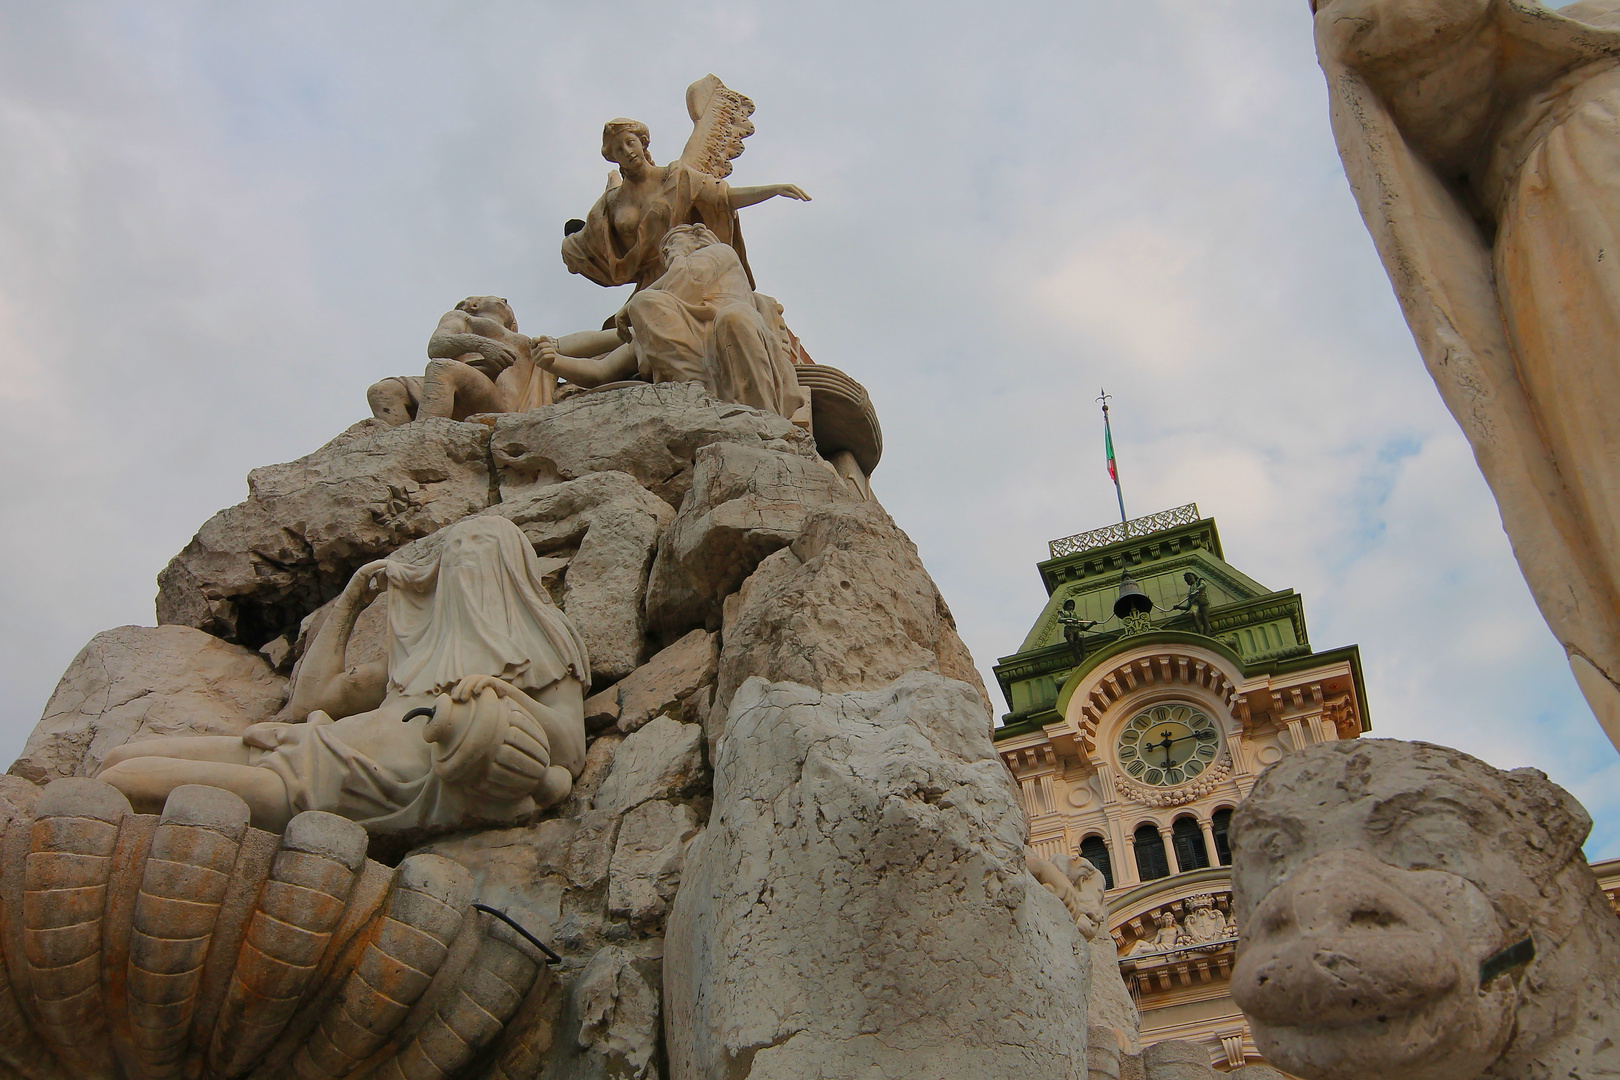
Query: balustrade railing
{"x": 1113, "y": 534}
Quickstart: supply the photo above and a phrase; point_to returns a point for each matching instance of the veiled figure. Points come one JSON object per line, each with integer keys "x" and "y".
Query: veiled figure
{"x": 699, "y": 322}
{"x": 1482, "y": 140}
{"x": 478, "y": 715}
{"x": 621, "y": 241}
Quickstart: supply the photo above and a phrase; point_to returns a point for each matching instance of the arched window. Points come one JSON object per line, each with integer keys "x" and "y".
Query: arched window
{"x": 1151, "y": 861}
{"x": 1095, "y": 851}
{"x": 1188, "y": 839}
{"x": 1222, "y": 822}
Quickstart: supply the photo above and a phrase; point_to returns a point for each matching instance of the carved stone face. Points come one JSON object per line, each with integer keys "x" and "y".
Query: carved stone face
{"x": 1370, "y": 31}
{"x": 626, "y": 148}
{"x": 1371, "y": 879}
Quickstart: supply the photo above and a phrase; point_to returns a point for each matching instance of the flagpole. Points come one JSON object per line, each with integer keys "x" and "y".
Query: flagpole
{"x": 1113, "y": 467}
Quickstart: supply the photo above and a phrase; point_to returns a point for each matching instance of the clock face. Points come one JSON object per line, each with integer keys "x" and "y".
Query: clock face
{"x": 1168, "y": 745}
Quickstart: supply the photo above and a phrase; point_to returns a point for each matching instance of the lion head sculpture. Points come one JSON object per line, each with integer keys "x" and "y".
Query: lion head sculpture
{"x": 1409, "y": 911}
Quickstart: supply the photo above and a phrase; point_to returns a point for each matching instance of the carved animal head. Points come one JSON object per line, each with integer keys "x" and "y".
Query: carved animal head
{"x": 490, "y": 307}
{"x": 1374, "y": 879}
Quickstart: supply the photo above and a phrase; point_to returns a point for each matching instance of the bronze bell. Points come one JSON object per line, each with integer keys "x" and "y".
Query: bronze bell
{"x": 1131, "y": 599}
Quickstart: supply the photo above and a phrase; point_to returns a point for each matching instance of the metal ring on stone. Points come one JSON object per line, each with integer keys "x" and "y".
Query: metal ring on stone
{"x": 509, "y": 921}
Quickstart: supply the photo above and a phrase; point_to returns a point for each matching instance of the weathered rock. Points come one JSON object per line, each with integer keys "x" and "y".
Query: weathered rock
{"x": 661, "y": 685}
{"x": 651, "y": 432}
{"x": 138, "y": 682}
{"x": 647, "y": 860}
{"x": 859, "y": 906}
{"x": 1407, "y": 910}
{"x": 606, "y": 526}
{"x": 1177, "y": 1061}
{"x": 662, "y": 760}
{"x": 1256, "y": 1072}
{"x": 745, "y": 503}
{"x": 847, "y": 606}
{"x": 613, "y": 1010}
{"x": 254, "y": 571}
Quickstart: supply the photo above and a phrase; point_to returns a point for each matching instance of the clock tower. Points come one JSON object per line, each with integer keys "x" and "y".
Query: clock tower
{"x": 1158, "y": 681}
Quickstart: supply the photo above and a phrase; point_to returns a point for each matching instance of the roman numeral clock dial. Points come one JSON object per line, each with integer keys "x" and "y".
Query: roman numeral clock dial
{"x": 1167, "y": 745}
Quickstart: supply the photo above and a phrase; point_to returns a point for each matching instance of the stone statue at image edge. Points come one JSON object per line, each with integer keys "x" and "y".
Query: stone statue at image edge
{"x": 620, "y": 242}
{"x": 1480, "y": 139}
{"x": 698, "y": 322}
{"x": 1196, "y": 602}
{"x": 479, "y": 363}
{"x": 478, "y": 716}
{"x": 1409, "y": 911}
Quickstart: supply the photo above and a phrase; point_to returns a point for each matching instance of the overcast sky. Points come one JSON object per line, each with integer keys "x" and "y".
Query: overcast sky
{"x": 220, "y": 223}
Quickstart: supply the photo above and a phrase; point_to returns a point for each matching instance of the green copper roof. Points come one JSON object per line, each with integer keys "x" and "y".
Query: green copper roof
{"x": 1260, "y": 626}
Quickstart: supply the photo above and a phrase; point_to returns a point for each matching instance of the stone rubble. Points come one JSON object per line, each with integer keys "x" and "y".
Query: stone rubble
{"x": 858, "y": 904}
{"x": 697, "y": 545}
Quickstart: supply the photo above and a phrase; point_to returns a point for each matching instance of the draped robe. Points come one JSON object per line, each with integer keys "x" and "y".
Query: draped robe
{"x": 1509, "y": 278}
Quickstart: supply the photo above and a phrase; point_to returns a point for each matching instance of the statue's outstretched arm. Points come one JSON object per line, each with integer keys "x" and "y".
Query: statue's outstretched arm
{"x": 324, "y": 680}
{"x": 586, "y": 371}
{"x": 749, "y": 196}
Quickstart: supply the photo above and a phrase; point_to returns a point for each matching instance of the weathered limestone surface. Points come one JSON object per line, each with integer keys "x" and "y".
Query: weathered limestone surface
{"x": 846, "y": 606}
{"x": 138, "y": 682}
{"x": 607, "y": 525}
{"x": 1374, "y": 879}
{"x": 745, "y": 503}
{"x": 666, "y": 684}
{"x": 614, "y": 1007}
{"x": 255, "y": 570}
{"x": 859, "y": 906}
{"x": 661, "y": 760}
{"x": 1177, "y": 1061}
{"x": 651, "y": 432}
{"x": 648, "y": 858}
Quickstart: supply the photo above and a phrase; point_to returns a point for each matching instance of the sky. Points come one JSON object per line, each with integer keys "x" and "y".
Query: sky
{"x": 220, "y": 223}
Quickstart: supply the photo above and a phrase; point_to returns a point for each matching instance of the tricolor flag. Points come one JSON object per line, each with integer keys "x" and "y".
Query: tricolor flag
{"x": 1108, "y": 445}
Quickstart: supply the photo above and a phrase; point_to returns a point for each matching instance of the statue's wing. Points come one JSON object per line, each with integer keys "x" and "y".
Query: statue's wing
{"x": 720, "y": 124}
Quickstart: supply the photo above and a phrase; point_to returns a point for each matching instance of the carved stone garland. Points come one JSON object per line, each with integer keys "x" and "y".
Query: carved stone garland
{"x": 1163, "y": 799}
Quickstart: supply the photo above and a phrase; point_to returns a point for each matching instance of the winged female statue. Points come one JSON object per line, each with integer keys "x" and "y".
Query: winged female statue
{"x": 620, "y": 240}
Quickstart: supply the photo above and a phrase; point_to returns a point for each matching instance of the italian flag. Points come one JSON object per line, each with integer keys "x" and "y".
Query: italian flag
{"x": 1108, "y": 446}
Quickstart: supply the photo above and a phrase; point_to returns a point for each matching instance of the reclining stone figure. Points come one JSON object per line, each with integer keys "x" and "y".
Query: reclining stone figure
{"x": 479, "y": 364}
{"x": 701, "y": 322}
{"x": 1409, "y": 911}
{"x": 477, "y": 716}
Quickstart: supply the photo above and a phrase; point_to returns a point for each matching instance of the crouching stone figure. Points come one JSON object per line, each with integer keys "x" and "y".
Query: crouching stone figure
{"x": 478, "y": 363}
{"x": 1408, "y": 911}
{"x": 478, "y": 716}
